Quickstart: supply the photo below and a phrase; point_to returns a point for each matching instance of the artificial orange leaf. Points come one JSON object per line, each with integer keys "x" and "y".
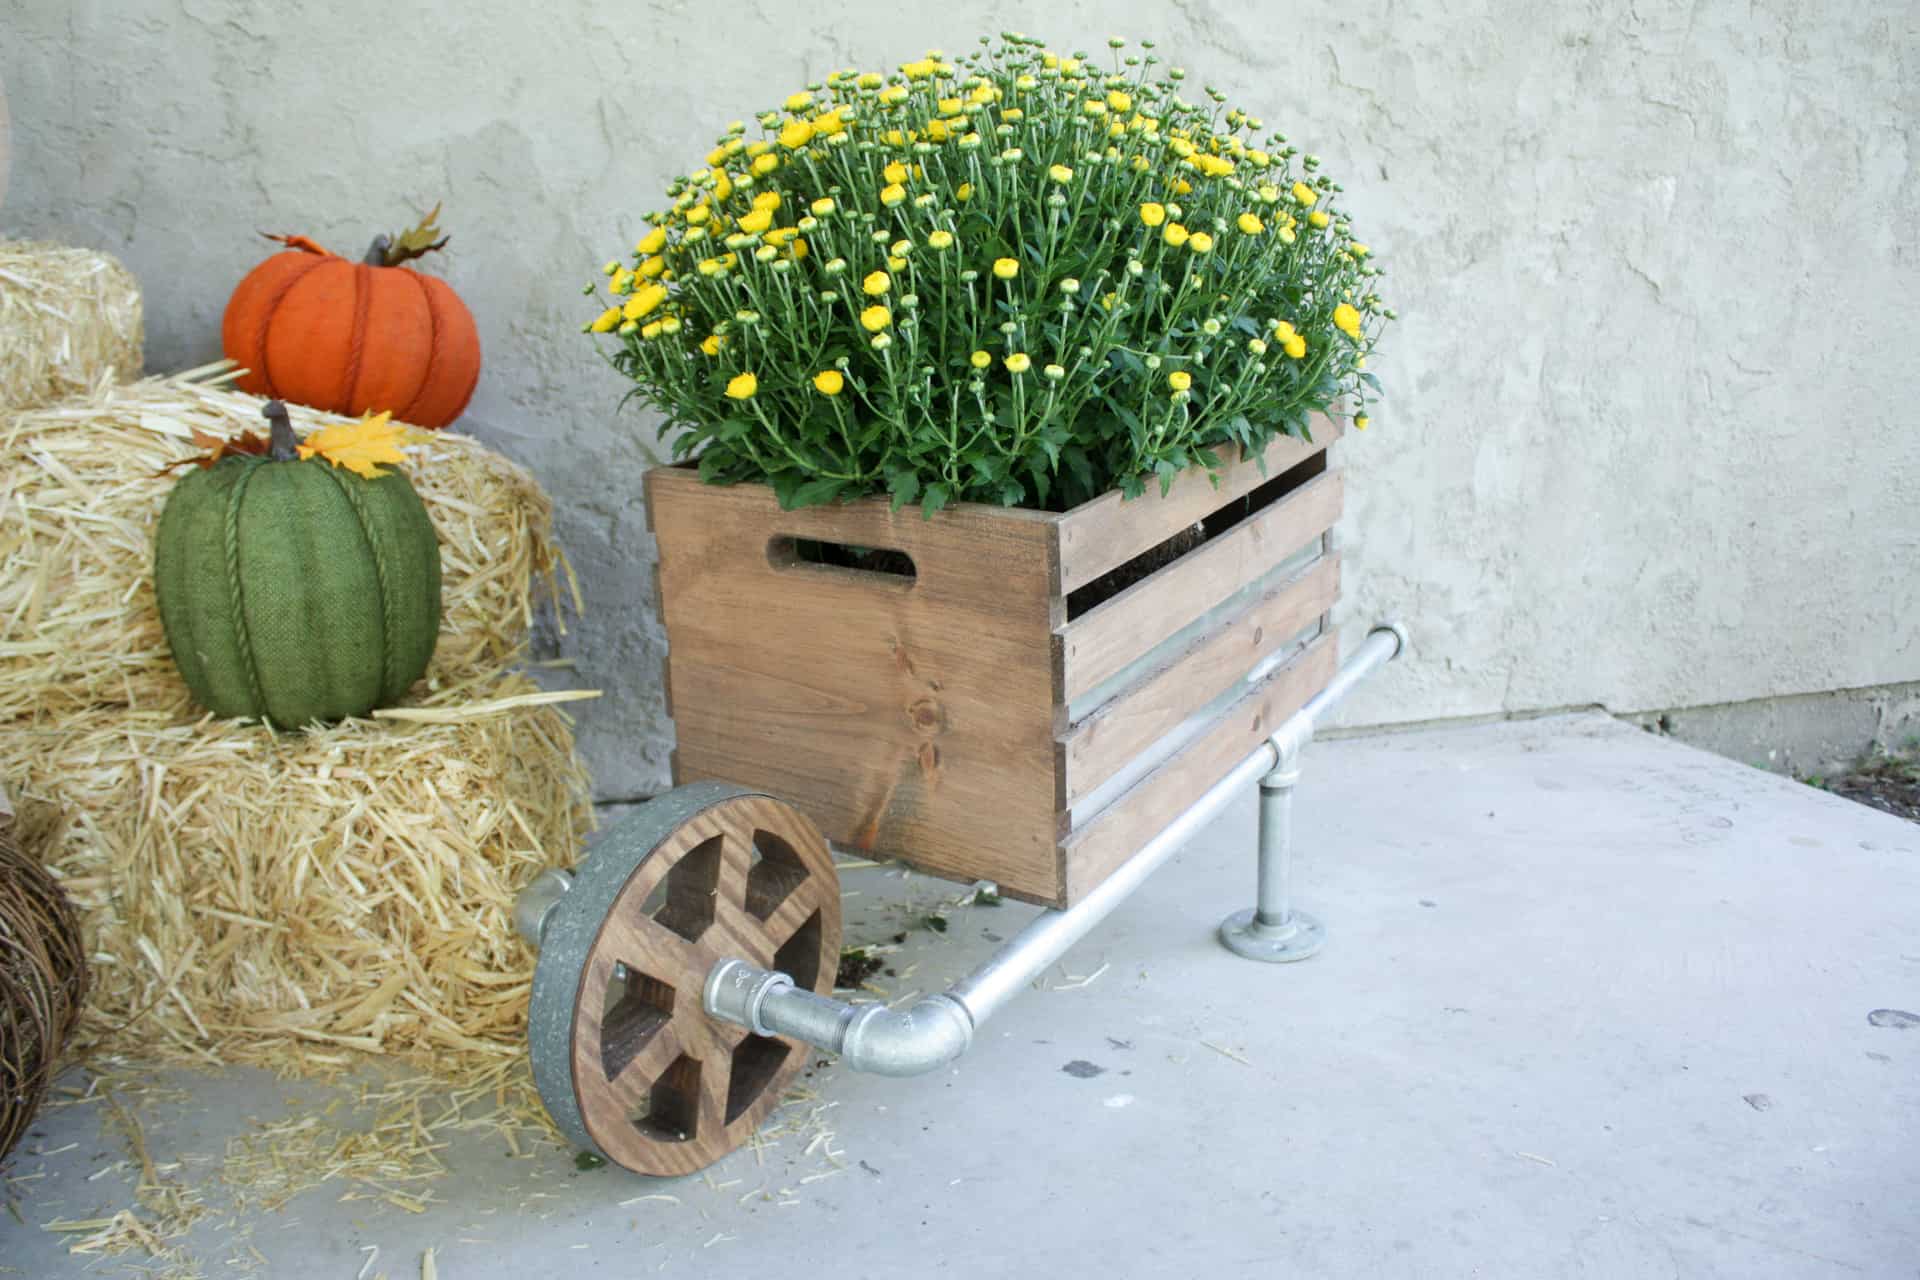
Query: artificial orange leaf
{"x": 357, "y": 446}
{"x": 218, "y": 447}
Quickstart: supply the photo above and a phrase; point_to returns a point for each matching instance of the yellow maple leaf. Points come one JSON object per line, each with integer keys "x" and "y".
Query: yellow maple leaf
{"x": 357, "y": 446}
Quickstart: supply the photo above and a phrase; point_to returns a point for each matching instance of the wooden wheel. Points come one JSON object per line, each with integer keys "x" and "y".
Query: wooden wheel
{"x": 627, "y": 1060}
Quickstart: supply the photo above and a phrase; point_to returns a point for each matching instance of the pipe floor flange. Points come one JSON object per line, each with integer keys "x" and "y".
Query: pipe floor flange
{"x": 1300, "y": 937}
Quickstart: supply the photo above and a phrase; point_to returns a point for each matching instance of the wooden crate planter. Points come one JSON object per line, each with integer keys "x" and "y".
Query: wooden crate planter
{"x": 973, "y": 719}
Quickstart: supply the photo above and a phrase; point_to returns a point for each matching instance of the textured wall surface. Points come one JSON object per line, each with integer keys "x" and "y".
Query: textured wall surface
{"x": 1650, "y": 433}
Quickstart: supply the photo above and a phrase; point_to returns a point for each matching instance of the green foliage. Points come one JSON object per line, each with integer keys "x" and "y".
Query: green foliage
{"x": 1006, "y": 278}
{"x": 296, "y": 592}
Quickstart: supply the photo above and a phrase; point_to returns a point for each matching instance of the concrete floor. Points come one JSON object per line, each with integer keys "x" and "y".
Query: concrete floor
{"x": 1595, "y": 1004}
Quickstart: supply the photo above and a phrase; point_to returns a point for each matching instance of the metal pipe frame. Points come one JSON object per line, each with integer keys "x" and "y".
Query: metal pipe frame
{"x": 939, "y": 1028}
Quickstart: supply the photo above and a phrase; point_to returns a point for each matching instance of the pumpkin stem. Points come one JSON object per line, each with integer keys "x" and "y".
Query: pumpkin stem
{"x": 377, "y": 251}
{"x": 282, "y": 445}
{"x": 414, "y": 242}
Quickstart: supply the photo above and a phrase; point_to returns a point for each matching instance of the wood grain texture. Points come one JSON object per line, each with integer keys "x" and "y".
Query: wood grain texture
{"x": 1118, "y": 831}
{"x": 911, "y": 719}
{"x": 1103, "y": 642}
{"x": 663, "y": 1088}
{"x": 1107, "y": 531}
{"x": 1116, "y": 732}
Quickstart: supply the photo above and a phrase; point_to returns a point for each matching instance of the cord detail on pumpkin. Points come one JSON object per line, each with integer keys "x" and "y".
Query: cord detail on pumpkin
{"x": 237, "y": 593}
{"x": 389, "y": 607}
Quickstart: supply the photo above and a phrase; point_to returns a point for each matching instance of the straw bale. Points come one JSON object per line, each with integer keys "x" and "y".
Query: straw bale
{"x": 287, "y": 900}
{"x": 81, "y": 488}
{"x": 69, "y": 321}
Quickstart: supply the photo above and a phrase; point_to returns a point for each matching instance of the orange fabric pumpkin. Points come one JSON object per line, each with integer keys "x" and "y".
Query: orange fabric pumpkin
{"x": 355, "y": 337}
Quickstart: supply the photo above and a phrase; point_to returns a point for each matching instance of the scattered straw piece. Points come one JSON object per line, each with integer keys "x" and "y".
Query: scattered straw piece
{"x": 70, "y": 319}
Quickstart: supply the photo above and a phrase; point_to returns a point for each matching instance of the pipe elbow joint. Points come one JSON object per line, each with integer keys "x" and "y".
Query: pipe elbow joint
{"x": 907, "y": 1042}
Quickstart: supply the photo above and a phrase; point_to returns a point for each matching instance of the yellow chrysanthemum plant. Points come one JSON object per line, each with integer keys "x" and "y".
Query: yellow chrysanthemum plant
{"x": 1008, "y": 278}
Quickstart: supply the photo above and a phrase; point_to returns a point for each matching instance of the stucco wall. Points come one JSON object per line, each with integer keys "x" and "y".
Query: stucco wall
{"x": 1650, "y": 438}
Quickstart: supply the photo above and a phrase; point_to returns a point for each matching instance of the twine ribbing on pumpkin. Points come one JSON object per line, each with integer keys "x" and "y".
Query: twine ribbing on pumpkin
{"x": 381, "y": 553}
{"x": 237, "y": 593}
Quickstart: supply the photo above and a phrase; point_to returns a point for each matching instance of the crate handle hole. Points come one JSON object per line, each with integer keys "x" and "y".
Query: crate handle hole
{"x": 889, "y": 563}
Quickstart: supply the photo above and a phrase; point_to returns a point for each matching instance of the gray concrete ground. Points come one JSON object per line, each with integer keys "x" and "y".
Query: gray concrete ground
{"x": 1595, "y": 1004}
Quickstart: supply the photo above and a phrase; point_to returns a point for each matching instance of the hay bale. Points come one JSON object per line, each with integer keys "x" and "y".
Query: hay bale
{"x": 70, "y": 320}
{"x": 81, "y": 488}
{"x": 288, "y": 900}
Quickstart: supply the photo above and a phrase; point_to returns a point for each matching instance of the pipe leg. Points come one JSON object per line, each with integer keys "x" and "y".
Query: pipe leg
{"x": 1273, "y": 930}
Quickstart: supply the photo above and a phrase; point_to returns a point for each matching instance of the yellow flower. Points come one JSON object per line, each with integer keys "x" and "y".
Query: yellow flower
{"x": 892, "y": 195}
{"x": 1360, "y": 423}
{"x": 710, "y": 345}
{"x": 870, "y": 80}
{"x": 875, "y": 318}
{"x": 980, "y": 359}
{"x": 1346, "y": 318}
{"x": 950, "y": 106}
{"x": 1251, "y": 224}
{"x": 1174, "y": 234}
{"x": 1024, "y": 82}
{"x": 645, "y": 301}
{"x": 1358, "y": 250}
{"x": 1019, "y": 362}
{"x": 1182, "y": 187}
{"x": 742, "y": 386}
{"x": 940, "y": 239}
{"x": 1120, "y": 101}
{"x": 893, "y": 93}
{"x": 1318, "y": 218}
{"x": 627, "y": 326}
{"x": 652, "y": 242}
{"x": 799, "y": 101}
{"x": 964, "y": 192}
{"x": 795, "y": 134}
{"x": 1180, "y": 380}
{"x": 717, "y": 155}
{"x": 877, "y": 283}
{"x": 767, "y": 200}
{"x": 621, "y": 282}
{"x": 921, "y": 70}
{"x": 1296, "y": 346}
{"x": 828, "y": 382}
{"x": 1286, "y": 235}
{"x": 698, "y": 214}
{"x": 1180, "y": 147}
{"x": 1006, "y": 268}
{"x": 766, "y": 164}
{"x": 1282, "y": 330}
{"x": 647, "y": 331}
{"x": 895, "y": 172}
{"x": 756, "y": 221}
{"x": 606, "y": 320}
{"x": 1060, "y": 173}
{"x": 830, "y": 124}
{"x": 1200, "y": 242}
{"x": 722, "y": 186}
{"x": 1305, "y": 195}
{"x": 651, "y": 268}
{"x": 896, "y": 264}
{"x": 822, "y": 207}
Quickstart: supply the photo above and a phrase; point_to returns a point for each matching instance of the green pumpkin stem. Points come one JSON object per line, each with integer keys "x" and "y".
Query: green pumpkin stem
{"x": 282, "y": 445}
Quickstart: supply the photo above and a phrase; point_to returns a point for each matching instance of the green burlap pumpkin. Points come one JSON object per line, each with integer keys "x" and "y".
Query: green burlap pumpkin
{"x": 293, "y": 590}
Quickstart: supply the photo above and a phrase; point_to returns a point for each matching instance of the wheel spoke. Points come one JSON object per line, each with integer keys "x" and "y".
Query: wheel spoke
{"x": 716, "y": 1075}
{"x": 633, "y": 1081}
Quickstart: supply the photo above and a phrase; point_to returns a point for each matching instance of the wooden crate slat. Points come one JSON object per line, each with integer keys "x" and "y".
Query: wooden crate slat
{"x": 1118, "y": 832}
{"x": 1106, "y": 532}
{"x": 1103, "y": 642}
{"x": 1108, "y": 738}
{"x": 910, "y": 717}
